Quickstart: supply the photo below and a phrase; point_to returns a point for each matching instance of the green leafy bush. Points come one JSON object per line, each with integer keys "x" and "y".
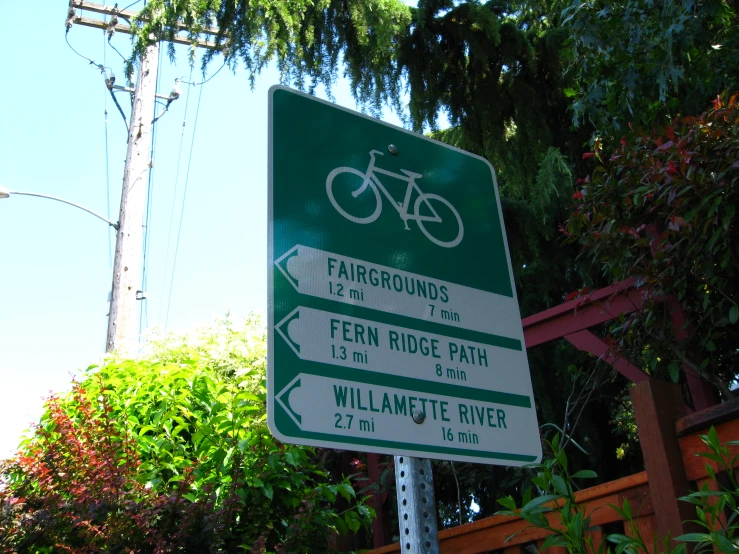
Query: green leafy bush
{"x": 73, "y": 485}
{"x": 171, "y": 453}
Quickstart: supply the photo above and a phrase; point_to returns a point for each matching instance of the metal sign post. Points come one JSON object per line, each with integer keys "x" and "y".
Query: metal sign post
{"x": 416, "y": 506}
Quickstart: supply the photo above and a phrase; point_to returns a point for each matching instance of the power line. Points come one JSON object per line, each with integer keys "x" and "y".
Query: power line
{"x": 131, "y": 4}
{"x": 144, "y": 311}
{"x": 92, "y": 62}
{"x": 184, "y": 199}
{"x": 174, "y": 196}
{"x": 107, "y": 157}
{"x": 116, "y": 49}
{"x": 123, "y": 115}
{"x": 208, "y": 79}
{"x": 101, "y": 68}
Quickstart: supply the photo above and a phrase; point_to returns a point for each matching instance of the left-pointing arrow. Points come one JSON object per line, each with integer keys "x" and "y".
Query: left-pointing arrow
{"x": 282, "y": 265}
{"x": 283, "y": 327}
{"x": 284, "y": 399}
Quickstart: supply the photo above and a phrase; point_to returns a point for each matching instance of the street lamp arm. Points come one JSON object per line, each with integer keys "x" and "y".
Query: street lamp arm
{"x": 112, "y": 224}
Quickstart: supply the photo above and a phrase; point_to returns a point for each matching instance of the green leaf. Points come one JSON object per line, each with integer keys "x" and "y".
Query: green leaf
{"x": 508, "y": 502}
{"x": 554, "y": 540}
{"x": 353, "y": 521}
{"x": 570, "y": 92}
{"x": 540, "y": 482}
{"x": 538, "y": 503}
{"x": 292, "y": 457}
{"x": 627, "y": 509}
{"x": 249, "y": 396}
{"x": 145, "y": 429}
{"x": 702, "y": 494}
{"x": 577, "y": 526}
{"x": 537, "y": 519}
{"x": 693, "y": 537}
{"x": 268, "y": 491}
{"x": 674, "y": 372}
{"x": 347, "y": 491}
{"x": 734, "y": 314}
{"x": 711, "y": 439}
{"x": 617, "y": 538}
{"x": 723, "y": 543}
{"x": 560, "y": 486}
{"x": 341, "y": 527}
{"x": 585, "y": 474}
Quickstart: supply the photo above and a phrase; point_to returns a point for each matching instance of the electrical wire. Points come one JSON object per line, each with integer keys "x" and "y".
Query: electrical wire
{"x": 174, "y": 196}
{"x": 184, "y": 199}
{"x": 107, "y": 155}
{"x": 123, "y": 115}
{"x": 131, "y": 4}
{"x": 144, "y": 311}
{"x": 208, "y": 79}
{"x": 92, "y": 62}
{"x": 102, "y": 67}
{"x": 110, "y": 35}
{"x": 164, "y": 111}
{"x": 116, "y": 50}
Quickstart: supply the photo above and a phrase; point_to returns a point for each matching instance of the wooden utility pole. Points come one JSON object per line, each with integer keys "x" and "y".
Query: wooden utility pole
{"x": 122, "y": 320}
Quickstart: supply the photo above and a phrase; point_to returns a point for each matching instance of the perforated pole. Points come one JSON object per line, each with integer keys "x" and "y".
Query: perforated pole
{"x": 416, "y": 506}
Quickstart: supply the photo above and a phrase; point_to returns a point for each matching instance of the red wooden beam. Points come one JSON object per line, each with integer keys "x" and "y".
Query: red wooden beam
{"x": 573, "y": 319}
{"x": 582, "y": 313}
{"x": 588, "y": 342}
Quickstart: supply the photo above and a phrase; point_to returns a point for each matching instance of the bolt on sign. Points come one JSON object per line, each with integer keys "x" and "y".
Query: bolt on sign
{"x": 393, "y": 320}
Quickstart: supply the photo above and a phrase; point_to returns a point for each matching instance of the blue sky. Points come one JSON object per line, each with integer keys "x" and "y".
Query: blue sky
{"x": 55, "y": 260}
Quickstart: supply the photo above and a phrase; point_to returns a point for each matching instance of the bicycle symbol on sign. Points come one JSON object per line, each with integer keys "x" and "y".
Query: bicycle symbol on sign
{"x": 369, "y": 180}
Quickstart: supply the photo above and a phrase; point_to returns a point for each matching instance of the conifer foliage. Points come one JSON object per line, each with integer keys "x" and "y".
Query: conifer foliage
{"x": 306, "y": 39}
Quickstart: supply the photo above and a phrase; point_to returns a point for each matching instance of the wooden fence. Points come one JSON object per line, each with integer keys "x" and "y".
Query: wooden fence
{"x": 670, "y": 442}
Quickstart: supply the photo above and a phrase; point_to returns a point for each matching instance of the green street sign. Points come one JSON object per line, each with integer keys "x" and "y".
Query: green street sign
{"x": 393, "y": 320}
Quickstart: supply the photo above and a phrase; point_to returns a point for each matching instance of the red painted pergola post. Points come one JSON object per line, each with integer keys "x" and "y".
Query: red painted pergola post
{"x": 658, "y": 405}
